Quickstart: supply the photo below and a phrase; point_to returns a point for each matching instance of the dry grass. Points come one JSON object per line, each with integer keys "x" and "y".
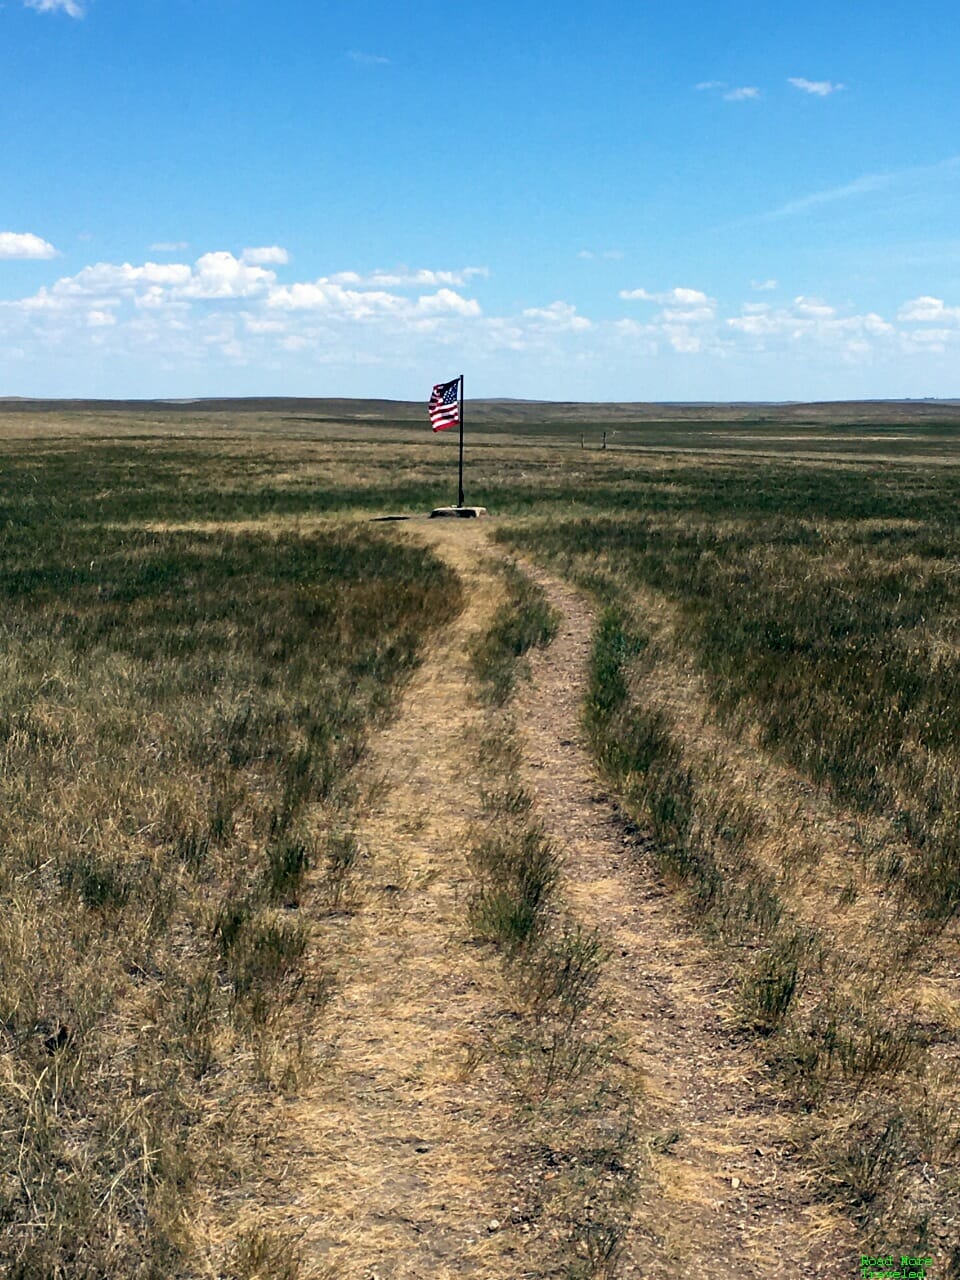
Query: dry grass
{"x": 556, "y": 1050}
{"x": 180, "y": 718}
{"x": 183, "y": 877}
{"x": 801, "y": 631}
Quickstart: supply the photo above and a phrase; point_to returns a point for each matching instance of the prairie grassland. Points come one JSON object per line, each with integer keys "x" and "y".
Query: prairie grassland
{"x": 197, "y": 638}
{"x": 180, "y": 714}
{"x": 795, "y": 626}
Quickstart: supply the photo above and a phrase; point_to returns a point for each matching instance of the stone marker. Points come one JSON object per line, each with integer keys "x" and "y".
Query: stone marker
{"x": 462, "y": 512}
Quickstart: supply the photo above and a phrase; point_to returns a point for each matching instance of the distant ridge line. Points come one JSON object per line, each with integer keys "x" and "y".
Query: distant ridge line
{"x": 281, "y": 402}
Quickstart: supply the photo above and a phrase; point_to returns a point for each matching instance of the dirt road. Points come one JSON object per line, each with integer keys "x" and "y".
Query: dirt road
{"x": 400, "y": 1152}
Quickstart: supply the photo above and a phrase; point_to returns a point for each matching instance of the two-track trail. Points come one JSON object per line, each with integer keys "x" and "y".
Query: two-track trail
{"x": 720, "y": 1196}
{"x": 399, "y": 1156}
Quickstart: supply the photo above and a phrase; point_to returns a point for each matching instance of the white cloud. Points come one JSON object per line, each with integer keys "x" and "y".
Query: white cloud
{"x": 221, "y": 275}
{"x": 558, "y": 315}
{"x": 812, "y": 307}
{"x": 15, "y": 244}
{"x": 368, "y": 59}
{"x": 865, "y": 185}
{"x": 403, "y": 278}
{"x": 744, "y": 93}
{"x": 682, "y": 340}
{"x": 446, "y": 301}
{"x": 688, "y": 315}
{"x": 259, "y": 324}
{"x": 672, "y": 297}
{"x": 267, "y": 256}
{"x": 816, "y": 325}
{"x": 930, "y": 340}
{"x": 819, "y": 88}
{"x": 224, "y": 310}
{"x": 609, "y": 255}
{"x": 105, "y": 284}
{"x": 53, "y": 6}
{"x": 326, "y": 296}
{"x": 169, "y": 246}
{"x": 927, "y": 310}
{"x": 762, "y": 285}
{"x": 330, "y": 297}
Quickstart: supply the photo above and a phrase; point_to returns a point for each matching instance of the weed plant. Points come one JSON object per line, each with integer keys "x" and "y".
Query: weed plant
{"x": 525, "y": 620}
{"x": 558, "y": 1054}
{"x": 179, "y": 717}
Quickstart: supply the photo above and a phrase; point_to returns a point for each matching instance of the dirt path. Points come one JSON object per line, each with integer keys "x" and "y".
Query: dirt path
{"x": 402, "y": 1148}
{"x": 723, "y": 1198}
{"x": 399, "y": 1155}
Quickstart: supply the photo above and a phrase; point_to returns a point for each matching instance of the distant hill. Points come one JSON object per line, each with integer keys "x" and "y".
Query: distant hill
{"x": 510, "y": 412}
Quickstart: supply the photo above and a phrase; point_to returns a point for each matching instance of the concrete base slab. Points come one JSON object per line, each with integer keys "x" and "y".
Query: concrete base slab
{"x": 462, "y": 512}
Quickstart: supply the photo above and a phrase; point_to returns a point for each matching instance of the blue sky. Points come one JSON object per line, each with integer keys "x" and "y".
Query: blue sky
{"x": 665, "y": 201}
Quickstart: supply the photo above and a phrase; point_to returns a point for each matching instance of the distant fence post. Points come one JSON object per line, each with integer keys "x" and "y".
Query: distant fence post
{"x": 581, "y": 439}
{"x": 604, "y": 445}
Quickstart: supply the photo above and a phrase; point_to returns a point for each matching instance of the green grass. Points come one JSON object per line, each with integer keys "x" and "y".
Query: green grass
{"x": 524, "y": 621}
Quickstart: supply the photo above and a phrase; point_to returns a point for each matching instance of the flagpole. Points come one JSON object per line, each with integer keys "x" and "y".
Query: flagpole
{"x": 460, "y": 491}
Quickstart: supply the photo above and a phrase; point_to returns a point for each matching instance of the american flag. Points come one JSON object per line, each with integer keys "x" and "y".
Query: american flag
{"x": 444, "y": 405}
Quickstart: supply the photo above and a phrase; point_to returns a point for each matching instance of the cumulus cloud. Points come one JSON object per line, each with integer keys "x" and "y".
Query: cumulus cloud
{"x": 54, "y": 6}
{"x": 221, "y": 275}
{"x": 672, "y": 297}
{"x": 326, "y": 295}
{"x": 819, "y": 88}
{"x": 331, "y": 297}
{"x": 105, "y": 284}
{"x": 234, "y": 308}
{"x": 403, "y": 278}
{"x": 927, "y": 310}
{"x": 446, "y": 301}
{"x": 810, "y": 322}
{"x": 268, "y": 256}
{"x": 762, "y": 285}
{"x": 558, "y": 315}
{"x": 169, "y": 246}
{"x": 24, "y": 244}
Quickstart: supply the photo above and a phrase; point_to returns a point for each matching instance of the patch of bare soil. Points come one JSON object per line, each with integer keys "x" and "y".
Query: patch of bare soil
{"x": 724, "y": 1194}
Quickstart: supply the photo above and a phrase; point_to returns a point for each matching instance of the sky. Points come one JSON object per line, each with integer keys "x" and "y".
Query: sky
{"x": 693, "y": 200}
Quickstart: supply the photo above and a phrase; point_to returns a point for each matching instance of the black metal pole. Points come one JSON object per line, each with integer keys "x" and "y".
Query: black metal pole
{"x": 460, "y": 487}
